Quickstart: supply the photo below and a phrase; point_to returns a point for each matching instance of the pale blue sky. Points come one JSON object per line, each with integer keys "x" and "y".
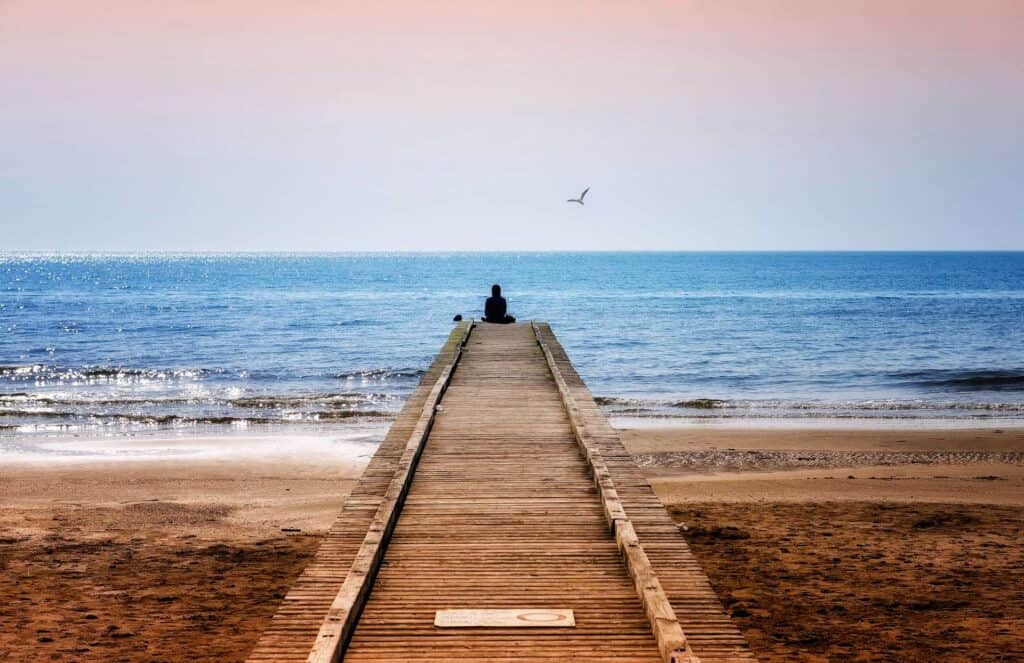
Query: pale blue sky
{"x": 143, "y": 125}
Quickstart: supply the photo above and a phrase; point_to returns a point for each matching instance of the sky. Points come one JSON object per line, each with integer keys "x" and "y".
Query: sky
{"x": 297, "y": 125}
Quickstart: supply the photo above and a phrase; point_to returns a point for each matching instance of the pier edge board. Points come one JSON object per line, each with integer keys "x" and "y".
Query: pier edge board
{"x": 294, "y": 632}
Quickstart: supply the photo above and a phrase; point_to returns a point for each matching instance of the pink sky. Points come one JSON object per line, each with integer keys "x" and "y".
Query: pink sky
{"x": 356, "y": 126}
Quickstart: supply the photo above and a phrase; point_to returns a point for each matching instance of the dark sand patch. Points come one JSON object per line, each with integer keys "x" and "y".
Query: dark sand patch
{"x": 156, "y": 512}
{"x": 134, "y": 584}
{"x": 159, "y": 560}
{"x": 866, "y": 581}
{"x": 770, "y": 460}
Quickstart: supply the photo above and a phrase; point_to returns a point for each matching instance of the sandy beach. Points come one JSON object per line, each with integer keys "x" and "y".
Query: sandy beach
{"x": 712, "y": 464}
{"x": 156, "y": 559}
{"x": 854, "y": 545}
{"x": 824, "y": 544}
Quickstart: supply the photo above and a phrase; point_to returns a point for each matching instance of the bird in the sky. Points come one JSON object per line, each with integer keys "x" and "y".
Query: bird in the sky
{"x": 580, "y": 199}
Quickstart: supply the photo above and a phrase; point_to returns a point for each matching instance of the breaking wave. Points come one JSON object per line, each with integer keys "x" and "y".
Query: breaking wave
{"x": 82, "y": 410}
{"x": 381, "y": 374}
{"x": 779, "y": 408}
{"x": 981, "y": 380}
{"x": 108, "y": 397}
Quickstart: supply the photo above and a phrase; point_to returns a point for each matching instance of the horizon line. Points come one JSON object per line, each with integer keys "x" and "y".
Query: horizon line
{"x": 387, "y": 252}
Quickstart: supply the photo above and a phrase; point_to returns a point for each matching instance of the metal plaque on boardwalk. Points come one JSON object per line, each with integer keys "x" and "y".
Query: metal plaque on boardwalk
{"x": 529, "y": 617}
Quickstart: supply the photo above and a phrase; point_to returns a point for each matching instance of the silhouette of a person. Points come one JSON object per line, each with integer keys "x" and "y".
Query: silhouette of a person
{"x": 496, "y": 308}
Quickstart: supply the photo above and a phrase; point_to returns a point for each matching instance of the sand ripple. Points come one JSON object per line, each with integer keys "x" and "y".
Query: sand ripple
{"x": 717, "y": 460}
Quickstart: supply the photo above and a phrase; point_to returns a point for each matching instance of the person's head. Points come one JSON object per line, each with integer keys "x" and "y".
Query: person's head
{"x": 495, "y": 290}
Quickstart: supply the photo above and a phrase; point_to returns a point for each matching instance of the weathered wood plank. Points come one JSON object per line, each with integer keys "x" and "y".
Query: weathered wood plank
{"x": 710, "y": 634}
{"x": 667, "y": 631}
{"x": 340, "y": 621}
{"x": 329, "y": 567}
{"x": 511, "y": 503}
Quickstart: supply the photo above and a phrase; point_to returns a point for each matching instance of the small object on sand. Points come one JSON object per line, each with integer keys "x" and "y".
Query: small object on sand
{"x": 457, "y": 318}
{"x": 290, "y": 529}
{"x": 682, "y": 527}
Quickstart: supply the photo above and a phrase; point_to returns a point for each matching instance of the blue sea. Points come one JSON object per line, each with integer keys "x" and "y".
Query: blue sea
{"x": 118, "y": 344}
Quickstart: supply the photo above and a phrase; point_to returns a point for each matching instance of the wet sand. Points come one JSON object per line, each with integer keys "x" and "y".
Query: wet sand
{"x": 742, "y": 465}
{"x": 158, "y": 559}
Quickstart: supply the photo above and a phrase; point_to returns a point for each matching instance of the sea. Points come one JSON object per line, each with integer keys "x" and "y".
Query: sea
{"x": 125, "y": 344}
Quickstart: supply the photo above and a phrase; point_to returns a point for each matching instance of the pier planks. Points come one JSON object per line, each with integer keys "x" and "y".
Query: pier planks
{"x": 503, "y": 512}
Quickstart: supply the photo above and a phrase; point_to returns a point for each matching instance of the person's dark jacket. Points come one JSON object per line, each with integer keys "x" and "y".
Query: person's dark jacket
{"x": 495, "y": 309}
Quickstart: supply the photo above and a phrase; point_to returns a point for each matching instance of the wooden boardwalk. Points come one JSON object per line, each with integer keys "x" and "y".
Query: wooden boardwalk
{"x": 501, "y": 485}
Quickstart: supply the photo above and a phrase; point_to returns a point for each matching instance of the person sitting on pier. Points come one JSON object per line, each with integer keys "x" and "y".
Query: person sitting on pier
{"x": 496, "y": 308}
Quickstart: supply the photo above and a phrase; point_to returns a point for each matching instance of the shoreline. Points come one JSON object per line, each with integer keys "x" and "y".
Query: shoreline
{"x": 210, "y": 440}
{"x": 683, "y": 464}
{"x": 336, "y": 444}
{"x": 815, "y": 423}
{"x": 686, "y": 430}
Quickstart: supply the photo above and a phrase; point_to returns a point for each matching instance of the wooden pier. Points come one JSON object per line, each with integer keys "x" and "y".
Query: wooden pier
{"x": 502, "y": 487}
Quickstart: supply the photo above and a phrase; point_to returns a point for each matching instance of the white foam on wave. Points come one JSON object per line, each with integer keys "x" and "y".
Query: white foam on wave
{"x": 351, "y": 444}
{"x": 818, "y": 423}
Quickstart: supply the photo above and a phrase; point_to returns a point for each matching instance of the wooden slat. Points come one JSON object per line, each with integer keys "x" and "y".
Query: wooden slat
{"x": 710, "y": 634}
{"x": 294, "y": 628}
{"x": 491, "y": 525}
{"x": 664, "y": 625}
{"x": 508, "y": 508}
{"x": 341, "y": 617}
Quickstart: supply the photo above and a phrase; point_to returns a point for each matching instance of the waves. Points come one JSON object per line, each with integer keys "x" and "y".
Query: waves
{"x": 106, "y": 398}
{"x": 711, "y": 408}
{"x": 921, "y": 394}
{"x": 103, "y": 412}
{"x": 345, "y": 400}
{"x": 29, "y": 412}
{"x": 37, "y": 372}
{"x": 186, "y": 399}
{"x": 120, "y": 341}
{"x": 977, "y": 380}
{"x": 175, "y": 419}
{"x": 696, "y": 403}
{"x": 41, "y": 374}
{"x": 381, "y": 374}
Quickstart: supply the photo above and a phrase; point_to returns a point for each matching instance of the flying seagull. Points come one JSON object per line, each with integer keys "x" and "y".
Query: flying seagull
{"x": 580, "y": 199}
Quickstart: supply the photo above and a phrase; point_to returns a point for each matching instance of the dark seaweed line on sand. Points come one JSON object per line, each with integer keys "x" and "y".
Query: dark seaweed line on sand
{"x": 705, "y": 461}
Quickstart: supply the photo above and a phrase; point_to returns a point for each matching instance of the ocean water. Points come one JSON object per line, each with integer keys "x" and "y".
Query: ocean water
{"x": 115, "y": 344}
